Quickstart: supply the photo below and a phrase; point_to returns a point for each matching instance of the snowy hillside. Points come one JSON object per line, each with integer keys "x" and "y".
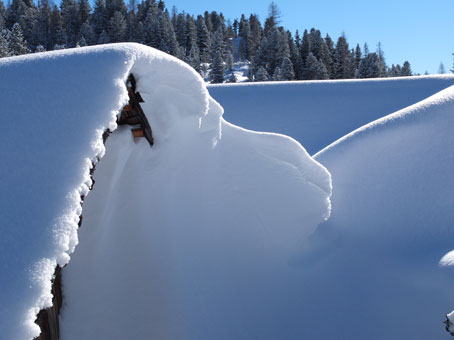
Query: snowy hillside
{"x": 391, "y": 223}
{"x": 316, "y": 113}
{"x": 170, "y": 232}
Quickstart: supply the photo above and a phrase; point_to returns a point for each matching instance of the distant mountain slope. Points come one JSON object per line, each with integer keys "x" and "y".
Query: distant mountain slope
{"x": 319, "y": 112}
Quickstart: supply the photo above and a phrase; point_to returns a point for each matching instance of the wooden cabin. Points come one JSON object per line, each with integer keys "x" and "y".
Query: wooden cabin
{"x": 132, "y": 113}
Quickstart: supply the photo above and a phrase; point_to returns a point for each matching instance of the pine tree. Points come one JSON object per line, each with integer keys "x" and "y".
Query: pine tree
{"x": 441, "y": 68}
{"x": 287, "y": 72}
{"x": 2, "y": 15}
{"x": 330, "y": 63}
{"x": 57, "y": 35}
{"x": 84, "y": 11}
{"x": 369, "y": 67}
{"x": 217, "y": 68}
{"x": 193, "y": 57}
{"x": 117, "y": 27}
{"x": 305, "y": 47}
{"x": 99, "y": 18}
{"x": 342, "y": 65}
{"x": 4, "y": 48}
{"x": 277, "y": 75}
{"x": 203, "y": 39}
{"x": 381, "y": 61}
{"x": 17, "y": 43}
{"x": 69, "y": 14}
{"x": 314, "y": 69}
{"x": 406, "y": 69}
{"x": 103, "y": 38}
{"x": 262, "y": 74}
{"x": 43, "y": 25}
{"x": 87, "y": 33}
{"x": 358, "y": 56}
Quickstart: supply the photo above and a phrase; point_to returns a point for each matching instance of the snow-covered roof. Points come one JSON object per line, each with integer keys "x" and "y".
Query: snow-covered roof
{"x": 206, "y": 187}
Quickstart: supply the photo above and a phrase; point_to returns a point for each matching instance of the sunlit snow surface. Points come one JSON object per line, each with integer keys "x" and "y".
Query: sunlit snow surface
{"x": 182, "y": 240}
{"x": 317, "y": 113}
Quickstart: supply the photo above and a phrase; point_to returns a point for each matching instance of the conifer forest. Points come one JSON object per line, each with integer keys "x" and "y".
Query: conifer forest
{"x": 208, "y": 42}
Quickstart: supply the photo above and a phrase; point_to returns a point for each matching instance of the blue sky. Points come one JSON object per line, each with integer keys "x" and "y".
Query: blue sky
{"x": 421, "y": 32}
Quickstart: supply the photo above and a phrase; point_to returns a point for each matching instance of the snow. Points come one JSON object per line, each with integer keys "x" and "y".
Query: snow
{"x": 448, "y": 259}
{"x": 206, "y": 218}
{"x": 203, "y": 224}
{"x": 391, "y": 222}
{"x": 218, "y": 232}
{"x": 317, "y": 113}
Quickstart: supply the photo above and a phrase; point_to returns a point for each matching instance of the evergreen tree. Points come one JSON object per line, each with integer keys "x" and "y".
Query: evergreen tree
{"x": 114, "y": 6}
{"x": 217, "y": 68}
{"x": 57, "y": 35}
{"x": 358, "y": 56}
{"x": 103, "y": 38}
{"x": 262, "y": 74}
{"x": 203, "y": 39}
{"x": 369, "y": 67}
{"x": 305, "y": 47}
{"x": 117, "y": 27}
{"x": 69, "y": 13}
{"x": 277, "y": 75}
{"x": 87, "y": 33}
{"x": 17, "y": 43}
{"x": 4, "y": 48}
{"x": 314, "y": 69}
{"x": 2, "y": 15}
{"x": 329, "y": 64}
{"x": 193, "y": 57}
{"x": 343, "y": 65}
{"x": 43, "y": 25}
{"x": 381, "y": 61}
{"x": 441, "y": 68}
{"x": 406, "y": 69}
{"x": 99, "y": 18}
{"x": 287, "y": 72}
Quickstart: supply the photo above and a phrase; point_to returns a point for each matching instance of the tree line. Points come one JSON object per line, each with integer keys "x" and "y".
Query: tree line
{"x": 209, "y": 43}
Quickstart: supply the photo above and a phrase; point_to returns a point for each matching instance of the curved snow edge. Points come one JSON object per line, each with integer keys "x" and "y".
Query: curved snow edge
{"x": 440, "y": 98}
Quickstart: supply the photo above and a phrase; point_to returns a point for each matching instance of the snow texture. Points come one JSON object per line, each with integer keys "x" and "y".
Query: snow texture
{"x": 317, "y": 113}
{"x": 207, "y": 218}
{"x": 391, "y": 222}
{"x": 191, "y": 239}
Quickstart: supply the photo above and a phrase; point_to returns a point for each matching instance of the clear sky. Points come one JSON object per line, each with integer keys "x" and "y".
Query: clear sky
{"x": 420, "y": 31}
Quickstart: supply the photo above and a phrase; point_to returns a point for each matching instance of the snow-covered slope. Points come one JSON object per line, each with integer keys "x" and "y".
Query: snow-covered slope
{"x": 376, "y": 260}
{"x": 317, "y": 113}
{"x": 206, "y": 218}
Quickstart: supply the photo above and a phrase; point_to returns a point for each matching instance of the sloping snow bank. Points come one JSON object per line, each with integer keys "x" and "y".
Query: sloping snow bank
{"x": 191, "y": 239}
{"x": 174, "y": 222}
{"x": 377, "y": 258}
{"x": 317, "y": 113}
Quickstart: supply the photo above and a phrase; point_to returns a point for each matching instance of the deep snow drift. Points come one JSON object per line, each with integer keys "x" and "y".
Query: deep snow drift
{"x": 317, "y": 113}
{"x": 188, "y": 239}
{"x": 377, "y": 258}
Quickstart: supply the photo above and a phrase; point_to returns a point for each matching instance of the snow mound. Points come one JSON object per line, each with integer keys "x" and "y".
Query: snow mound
{"x": 192, "y": 237}
{"x": 391, "y": 221}
{"x": 317, "y": 113}
{"x": 167, "y": 226}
